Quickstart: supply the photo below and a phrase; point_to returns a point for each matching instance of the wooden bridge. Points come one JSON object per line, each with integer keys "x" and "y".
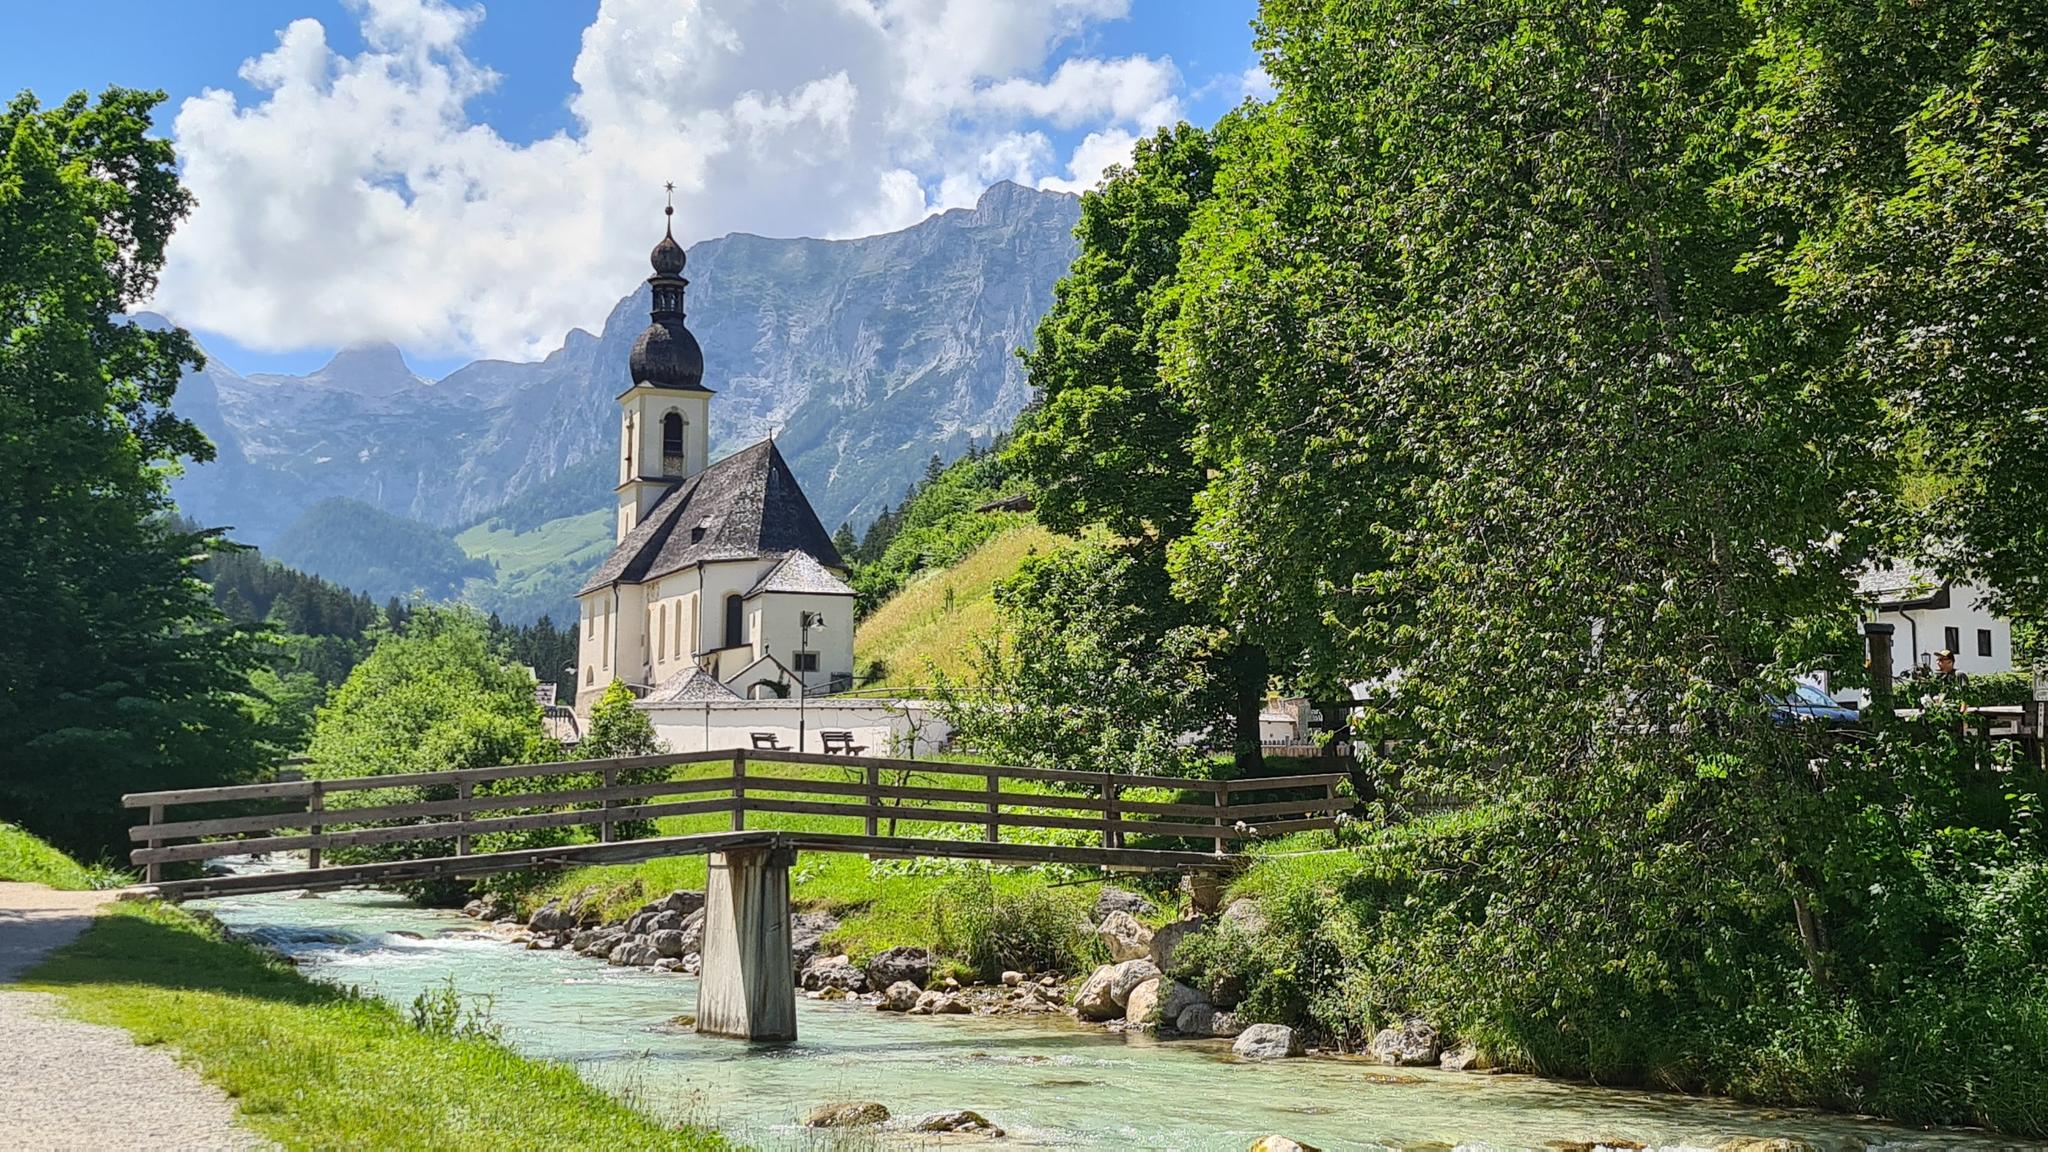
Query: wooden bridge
{"x": 749, "y": 812}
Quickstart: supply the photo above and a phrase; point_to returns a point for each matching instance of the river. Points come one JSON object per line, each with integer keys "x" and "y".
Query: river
{"x": 1050, "y": 1082}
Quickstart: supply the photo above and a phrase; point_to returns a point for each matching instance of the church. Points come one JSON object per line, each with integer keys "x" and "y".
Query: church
{"x": 722, "y": 585}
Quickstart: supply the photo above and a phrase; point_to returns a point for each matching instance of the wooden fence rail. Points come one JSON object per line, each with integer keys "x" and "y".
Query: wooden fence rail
{"x": 966, "y": 801}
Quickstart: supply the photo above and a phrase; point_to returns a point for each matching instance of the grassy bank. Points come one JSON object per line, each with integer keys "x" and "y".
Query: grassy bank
{"x": 315, "y": 1066}
{"x": 26, "y": 858}
{"x": 933, "y": 621}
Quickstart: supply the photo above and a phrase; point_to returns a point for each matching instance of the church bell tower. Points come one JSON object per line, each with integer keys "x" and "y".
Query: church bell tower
{"x": 664, "y": 418}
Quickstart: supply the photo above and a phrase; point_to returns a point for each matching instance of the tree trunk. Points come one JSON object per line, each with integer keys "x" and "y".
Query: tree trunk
{"x": 1248, "y": 669}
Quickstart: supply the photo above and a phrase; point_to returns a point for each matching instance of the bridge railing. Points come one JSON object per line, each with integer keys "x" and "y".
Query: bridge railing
{"x": 874, "y": 799}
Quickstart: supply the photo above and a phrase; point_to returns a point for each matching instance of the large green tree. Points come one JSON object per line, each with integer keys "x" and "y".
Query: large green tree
{"x": 116, "y": 672}
{"x": 1108, "y": 445}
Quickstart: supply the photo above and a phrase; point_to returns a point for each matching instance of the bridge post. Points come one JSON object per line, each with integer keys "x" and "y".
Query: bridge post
{"x": 746, "y": 989}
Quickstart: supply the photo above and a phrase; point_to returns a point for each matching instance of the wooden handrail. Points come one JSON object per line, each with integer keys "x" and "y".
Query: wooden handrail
{"x": 984, "y": 806}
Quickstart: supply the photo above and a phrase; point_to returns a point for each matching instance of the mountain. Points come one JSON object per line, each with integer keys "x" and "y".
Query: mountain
{"x": 376, "y": 553}
{"x": 863, "y": 357}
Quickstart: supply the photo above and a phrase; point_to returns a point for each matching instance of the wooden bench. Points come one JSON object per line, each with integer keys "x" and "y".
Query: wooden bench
{"x": 841, "y": 744}
{"x": 767, "y": 742}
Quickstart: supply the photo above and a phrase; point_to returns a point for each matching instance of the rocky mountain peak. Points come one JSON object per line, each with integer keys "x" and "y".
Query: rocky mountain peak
{"x": 373, "y": 369}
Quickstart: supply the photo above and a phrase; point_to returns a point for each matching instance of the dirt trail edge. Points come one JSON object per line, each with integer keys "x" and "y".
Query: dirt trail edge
{"x": 66, "y": 1084}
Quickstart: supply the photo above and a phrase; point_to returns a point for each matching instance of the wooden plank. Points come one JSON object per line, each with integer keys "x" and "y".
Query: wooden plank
{"x": 873, "y": 772}
{"x": 1110, "y": 839}
{"x": 1223, "y": 820}
{"x": 314, "y": 802}
{"x": 739, "y": 791}
{"x": 284, "y": 789}
{"x": 297, "y": 788}
{"x": 410, "y": 832}
{"x": 463, "y": 817}
{"x": 1004, "y": 819}
{"x": 972, "y": 796}
{"x": 344, "y": 816}
{"x": 994, "y": 828}
{"x": 154, "y": 872}
{"x": 1009, "y": 771}
{"x": 1275, "y": 783}
{"x": 604, "y": 827}
{"x": 630, "y": 851}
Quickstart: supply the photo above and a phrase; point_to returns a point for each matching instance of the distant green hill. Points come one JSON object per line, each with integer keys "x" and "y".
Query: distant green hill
{"x": 535, "y": 571}
{"x": 374, "y": 552}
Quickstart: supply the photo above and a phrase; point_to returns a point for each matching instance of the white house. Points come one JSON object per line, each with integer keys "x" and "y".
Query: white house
{"x": 720, "y": 567}
{"x": 1931, "y": 615}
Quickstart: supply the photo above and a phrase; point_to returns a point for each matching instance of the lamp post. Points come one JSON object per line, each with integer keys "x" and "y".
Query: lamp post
{"x": 805, "y": 622}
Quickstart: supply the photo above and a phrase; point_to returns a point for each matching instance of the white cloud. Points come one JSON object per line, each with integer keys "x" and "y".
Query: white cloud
{"x": 356, "y": 197}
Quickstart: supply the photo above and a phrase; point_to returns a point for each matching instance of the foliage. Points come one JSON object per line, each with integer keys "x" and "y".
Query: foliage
{"x": 541, "y": 646}
{"x": 619, "y": 729}
{"x": 311, "y": 1065}
{"x": 1094, "y": 668}
{"x": 433, "y": 697}
{"x": 937, "y": 525}
{"x": 26, "y": 859}
{"x": 116, "y": 672}
{"x": 931, "y": 624}
{"x": 380, "y": 554}
{"x": 441, "y": 1011}
{"x": 991, "y": 930}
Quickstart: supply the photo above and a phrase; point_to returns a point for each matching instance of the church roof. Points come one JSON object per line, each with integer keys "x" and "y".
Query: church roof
{"x": 745, "y": 507}
{"x": 693, "y": 687}
{"x": 798, "y": 572}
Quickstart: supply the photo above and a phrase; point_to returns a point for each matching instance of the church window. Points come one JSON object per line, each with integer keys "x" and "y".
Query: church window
{"x": 735, "y": 621}
{"x": 589, "y": 676}
{"x": 661, "y": 637}
{"x": 807, "y": 661}
{"x": 673, "y": 462}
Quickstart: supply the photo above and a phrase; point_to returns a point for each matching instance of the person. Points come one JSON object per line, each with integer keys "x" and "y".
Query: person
{"x": 1945, "y": 665}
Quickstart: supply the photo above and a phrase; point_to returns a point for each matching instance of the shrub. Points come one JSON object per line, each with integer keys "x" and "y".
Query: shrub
{"x": 989, "y": 929}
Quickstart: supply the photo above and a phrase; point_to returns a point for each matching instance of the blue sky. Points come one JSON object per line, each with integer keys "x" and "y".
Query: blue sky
{"x": 444, "y": 176}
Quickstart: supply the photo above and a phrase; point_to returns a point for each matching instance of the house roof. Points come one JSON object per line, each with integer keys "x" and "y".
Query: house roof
{"x": 1901, "y": 586}
{"x": 693, "y": 687}
{"x": 800, "y": 572}
{"x": 745, "y": 507}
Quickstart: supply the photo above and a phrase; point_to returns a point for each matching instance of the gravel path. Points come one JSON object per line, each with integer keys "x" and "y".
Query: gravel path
{"x": 66, "y": 1084}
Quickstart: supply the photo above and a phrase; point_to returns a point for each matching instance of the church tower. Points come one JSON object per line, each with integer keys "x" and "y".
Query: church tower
{"x": 664, "y": 418}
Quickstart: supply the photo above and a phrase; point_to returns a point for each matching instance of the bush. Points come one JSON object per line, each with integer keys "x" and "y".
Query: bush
{"x": 990, "y": 930}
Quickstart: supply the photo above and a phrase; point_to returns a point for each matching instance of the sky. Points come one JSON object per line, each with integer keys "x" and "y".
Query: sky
{"x": 471, "y": 180}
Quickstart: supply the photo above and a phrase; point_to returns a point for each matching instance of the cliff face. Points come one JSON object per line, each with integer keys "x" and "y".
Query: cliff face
{"x": 863, "y": 357}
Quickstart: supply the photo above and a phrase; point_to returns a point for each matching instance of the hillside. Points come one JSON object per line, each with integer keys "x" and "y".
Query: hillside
{"x": 376, "y": 553}
{"x": 537, "y": 571}
{"x": 933, "y": 620}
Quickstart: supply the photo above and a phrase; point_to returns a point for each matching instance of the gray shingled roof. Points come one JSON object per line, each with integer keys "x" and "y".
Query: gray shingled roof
{"x": 693, "y": 687}
{"x": 1901, "y": 582}
{"x": 798, "y": 572}
{"x": 745, "y": 507}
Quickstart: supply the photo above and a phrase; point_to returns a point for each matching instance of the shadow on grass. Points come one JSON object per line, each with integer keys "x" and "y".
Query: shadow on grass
{"x": 159, "y": 946}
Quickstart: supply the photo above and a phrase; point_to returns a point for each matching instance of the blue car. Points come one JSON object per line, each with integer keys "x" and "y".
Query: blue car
{"x": 1806, "y": 704}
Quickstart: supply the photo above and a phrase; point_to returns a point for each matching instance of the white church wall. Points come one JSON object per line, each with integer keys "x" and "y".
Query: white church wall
{"x": 720, "y": 579}
{"x": 886, "y": 727}
{"x": 780, "y": 620}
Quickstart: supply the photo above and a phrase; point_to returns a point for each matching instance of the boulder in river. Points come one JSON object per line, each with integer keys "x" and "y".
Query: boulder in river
{"x": 669, "y": 942}
{"x": 1412, "y": 1044}
{"x": 1012, "y": 979}
{"x": 1196, "y": 1020}
{"x": 899, "y": 997}
{"x": 1141, "y": 1010}
{"x": 1160, "y": 1002}
{"x": 831, "y": 972}
{"x": 960, "y": 1120}
{"x": 1167, "y": 939}
{"x": 807, "y": 931}
{"x": 1466, "y": 1057}
{"x": 1266, "y": 1042}
{"x": 846, "y": 1114}
{"x": 1114, "y": 899}
{"x": 1094, "y": 1001}
{"x": 682, "y": 901}
{"x": 634, "y": 952}
{"x": 1125, "y": 937}
{"x": 1281, "y": 1144}
{"x": 901, "y": 963}
{"x": 1127, "y": 976}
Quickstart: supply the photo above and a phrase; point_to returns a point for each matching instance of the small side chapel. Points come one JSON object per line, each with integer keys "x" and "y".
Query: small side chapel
{"x": 723, "y": 585}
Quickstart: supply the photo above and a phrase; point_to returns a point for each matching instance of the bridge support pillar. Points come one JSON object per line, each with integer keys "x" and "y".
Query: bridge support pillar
{"x": 746, "y": 989}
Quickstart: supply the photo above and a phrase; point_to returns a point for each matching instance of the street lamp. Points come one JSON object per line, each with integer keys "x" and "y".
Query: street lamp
{"x": 805, "y": 622}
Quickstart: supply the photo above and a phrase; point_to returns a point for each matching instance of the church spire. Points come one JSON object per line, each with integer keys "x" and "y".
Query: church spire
{"x": 666, "y": 355}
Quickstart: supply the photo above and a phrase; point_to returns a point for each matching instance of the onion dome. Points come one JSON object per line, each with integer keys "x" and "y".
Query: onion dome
{"x": 666, "y": 355}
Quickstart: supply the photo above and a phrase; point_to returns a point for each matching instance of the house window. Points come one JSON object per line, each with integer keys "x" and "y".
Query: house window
{"x": 1952, "y": 639}
{"x": 735, "y": 621}
{"x": 807, "y": 661}
{"x": 1983, "y": 641}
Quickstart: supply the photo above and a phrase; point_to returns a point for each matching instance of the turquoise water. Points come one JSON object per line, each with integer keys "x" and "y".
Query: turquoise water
{"x": 1049, "y": 1082}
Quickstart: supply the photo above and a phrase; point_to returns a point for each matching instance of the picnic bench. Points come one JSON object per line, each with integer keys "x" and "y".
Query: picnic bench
{"x": 767, "y": 742}
{"x": 841, "y": 744}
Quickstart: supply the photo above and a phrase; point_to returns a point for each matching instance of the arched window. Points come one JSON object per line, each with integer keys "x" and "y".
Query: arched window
{"x": 661, "y": 636}
{"x": 735, "y": 622}
{"x": 672, "y": 461}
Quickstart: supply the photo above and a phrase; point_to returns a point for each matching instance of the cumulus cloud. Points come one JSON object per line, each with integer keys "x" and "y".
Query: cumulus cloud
{"x": 357, "y": 197}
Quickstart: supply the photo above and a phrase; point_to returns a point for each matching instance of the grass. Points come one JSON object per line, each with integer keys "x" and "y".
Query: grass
{"x": 932, "y": 623}
{"x": 26, "y": 858}
{"x": 315, "y": 1066}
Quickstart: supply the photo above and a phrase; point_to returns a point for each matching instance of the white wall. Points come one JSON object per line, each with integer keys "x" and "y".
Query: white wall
{"x": 777, "y": 618}
{"x": 1920, "y": 633}
{"x": 885, "y": 726}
